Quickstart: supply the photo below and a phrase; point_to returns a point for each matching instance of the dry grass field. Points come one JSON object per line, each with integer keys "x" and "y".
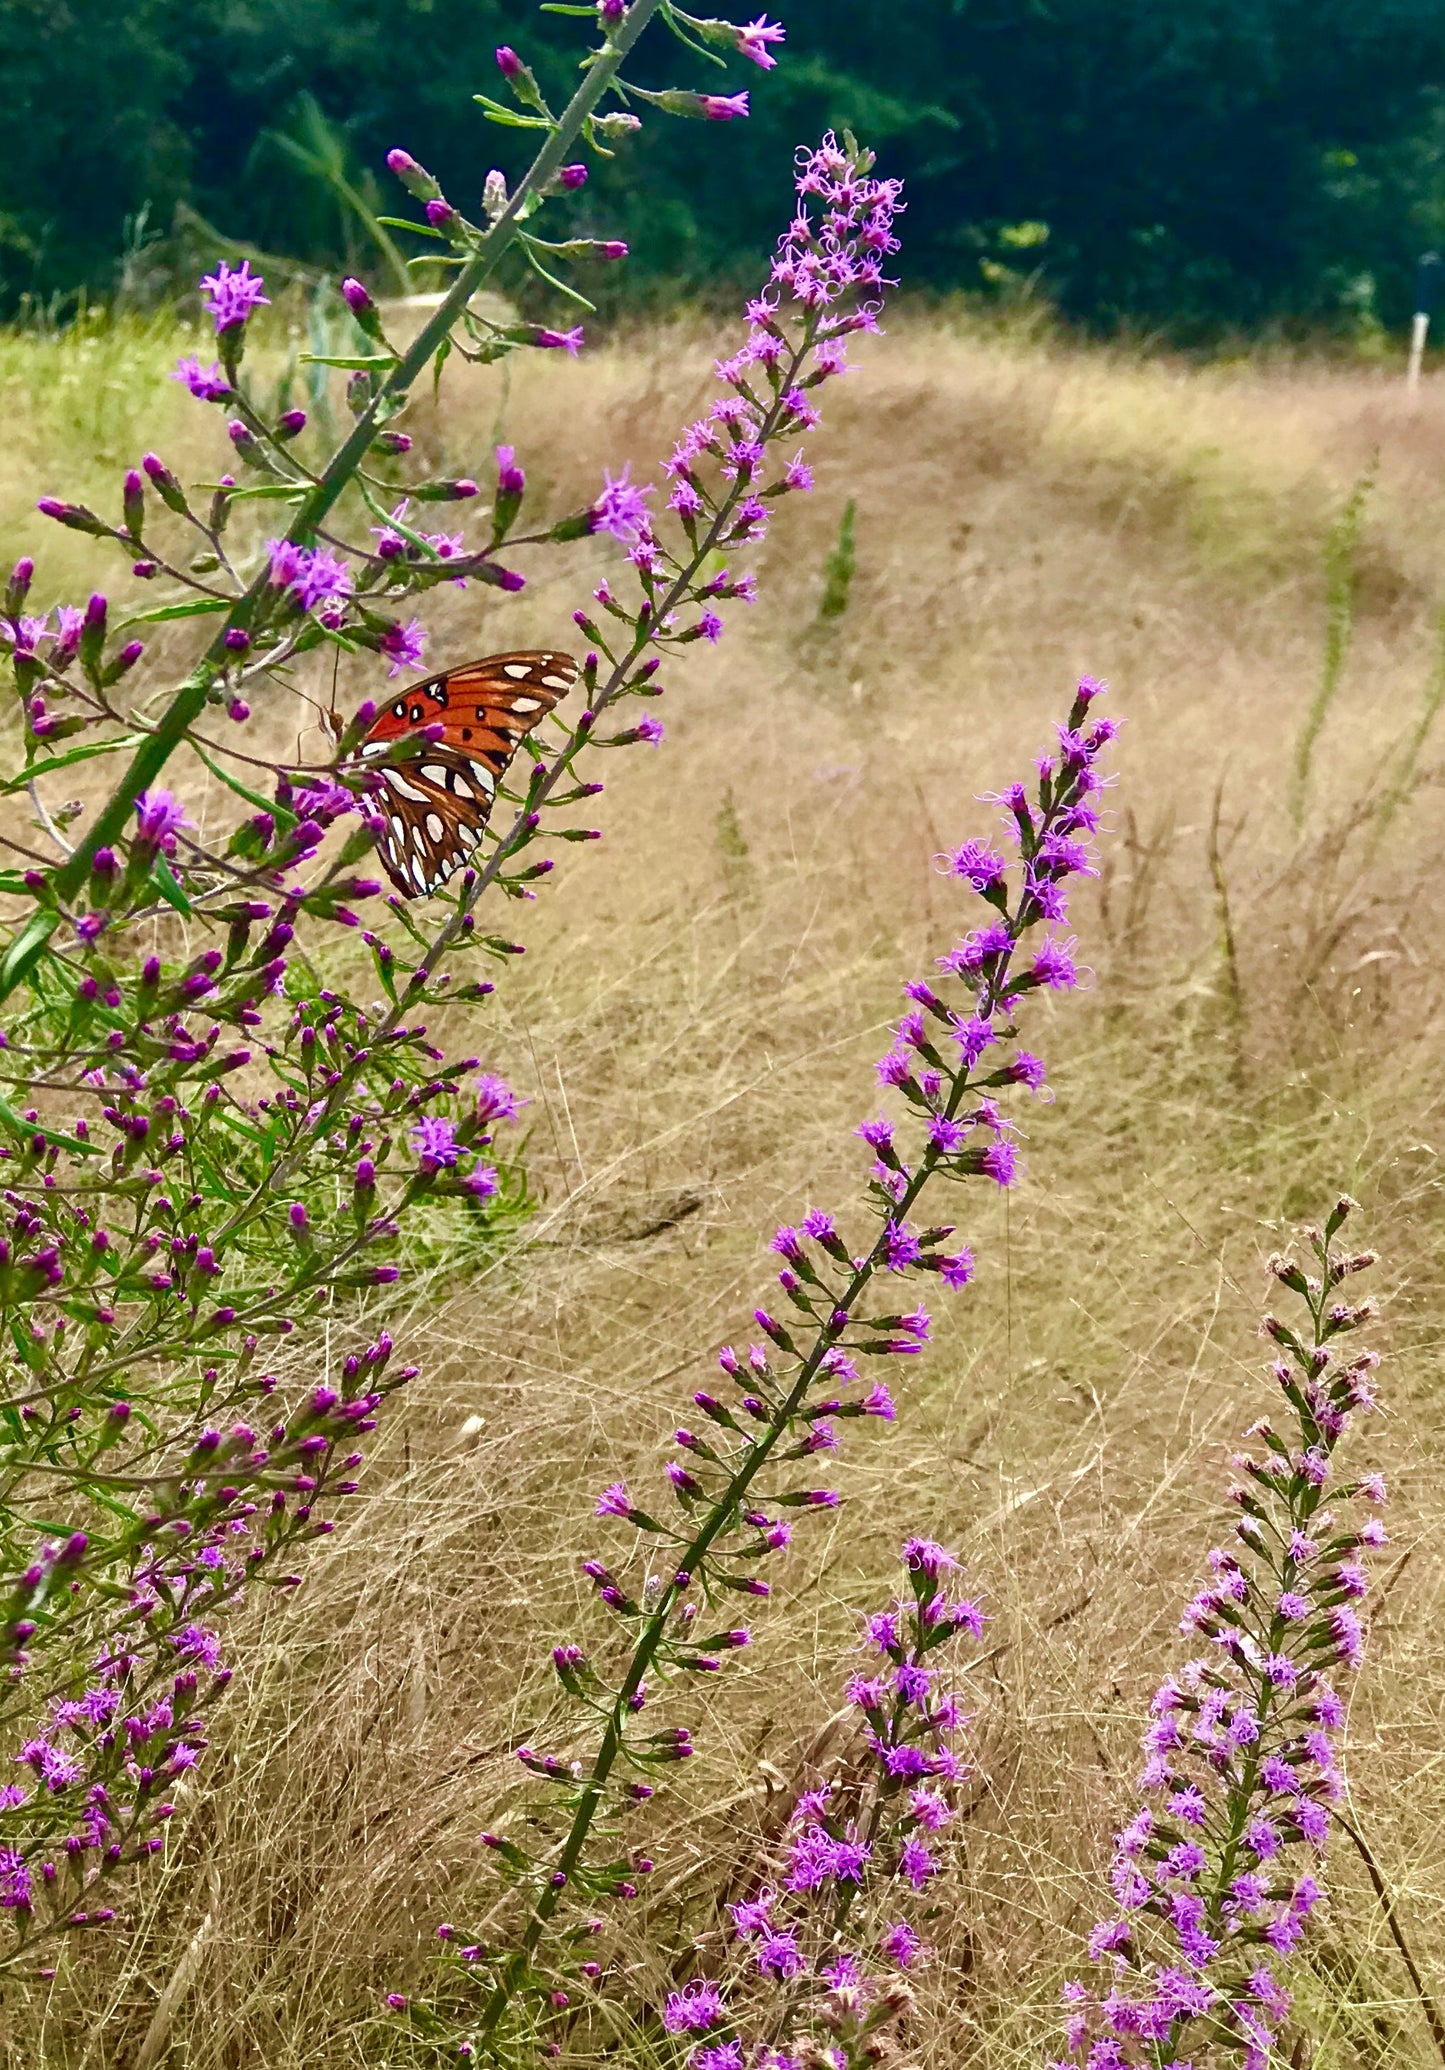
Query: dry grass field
{"x": 695, "y": 1022}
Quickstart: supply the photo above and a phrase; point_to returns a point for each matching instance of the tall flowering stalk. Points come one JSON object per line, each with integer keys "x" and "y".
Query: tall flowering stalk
{"x": 824, "y": 1944}
{"x": 213, "y": 1142}
{"x": 1217, "y": 1874}
{"x": 737, "y": 1482}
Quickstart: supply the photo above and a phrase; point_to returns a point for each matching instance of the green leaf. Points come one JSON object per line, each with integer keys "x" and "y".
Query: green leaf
{"x": 417, "y": 229}
{"x": 123, "y": 745}
{"x": 551, "y": 279}
{"x": 26, "y": 949}
{"x": 349, "y": 361}
{"x": 508, "y": 117}
{"x": 164, "y": 879}
{"x": 193, "y": 607}
{"x": 289, "y": 492}
{"x": 283, "y": 818}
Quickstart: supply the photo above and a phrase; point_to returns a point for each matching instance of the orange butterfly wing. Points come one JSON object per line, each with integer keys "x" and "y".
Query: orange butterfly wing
{"x": 435, "y": 807}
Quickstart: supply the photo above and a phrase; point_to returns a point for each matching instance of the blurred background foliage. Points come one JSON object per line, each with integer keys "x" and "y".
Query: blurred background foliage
{"x": 1186, "y": 166}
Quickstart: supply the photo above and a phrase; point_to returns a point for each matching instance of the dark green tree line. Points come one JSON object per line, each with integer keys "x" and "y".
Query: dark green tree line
{"x": 1185, "y": 163}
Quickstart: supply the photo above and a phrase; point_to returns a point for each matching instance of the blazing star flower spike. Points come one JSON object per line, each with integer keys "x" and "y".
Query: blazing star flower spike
{"x": 1217, "y": 1874}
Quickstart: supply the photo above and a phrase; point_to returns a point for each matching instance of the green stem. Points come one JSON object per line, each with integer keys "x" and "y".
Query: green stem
{"x": 190, "y": 700}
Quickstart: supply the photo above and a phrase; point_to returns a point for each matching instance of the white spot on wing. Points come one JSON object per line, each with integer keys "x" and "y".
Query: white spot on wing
{"x": 402, "y": 788}
{"x": 435, "y": 825}
{"x": 526, "y": 704}
{"x": 518, "y": 670}
{"x": 558, "y": 682}
{"x": 434, "y": 772}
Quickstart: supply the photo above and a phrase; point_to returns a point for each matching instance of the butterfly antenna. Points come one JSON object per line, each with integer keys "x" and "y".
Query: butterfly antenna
{"x": 320, "y": 709}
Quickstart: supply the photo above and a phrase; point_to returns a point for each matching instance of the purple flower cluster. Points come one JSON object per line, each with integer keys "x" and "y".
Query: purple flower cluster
{"x": 823, "y": 1941}
{"x": 232, "y": 295}
{"x": 1215, "y": 1877}
{"x": 312, "y": 578}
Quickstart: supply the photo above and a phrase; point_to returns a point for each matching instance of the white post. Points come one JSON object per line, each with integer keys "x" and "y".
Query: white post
{"x": 1418, "y": 330}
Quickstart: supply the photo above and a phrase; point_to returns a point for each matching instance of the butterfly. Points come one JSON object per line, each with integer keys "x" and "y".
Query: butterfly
{"x": 435, "y": 807}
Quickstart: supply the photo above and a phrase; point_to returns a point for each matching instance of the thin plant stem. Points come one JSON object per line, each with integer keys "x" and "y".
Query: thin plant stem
{"x": 1340, "y": 576}
{"x": 1434, "y": 2019}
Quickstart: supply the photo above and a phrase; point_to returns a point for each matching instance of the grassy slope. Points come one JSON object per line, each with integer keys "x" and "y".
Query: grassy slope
{"x": 696, "y": 1021}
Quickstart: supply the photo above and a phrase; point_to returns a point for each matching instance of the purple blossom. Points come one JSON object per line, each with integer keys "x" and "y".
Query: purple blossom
{"x": 495, "y": 1099}
{"x": 724, "y": 107}
{"x": 614, "y": 1501}
{"x": 569, "y": 342}
{"x": 693, "y": 2010}
{"x": 915, "y": 1862}
{"x": 313, "y": 577}
{"x": 978, "y": 864}
{"x": 728, "y": 2055}
{"x": 434, "y": 1139}
{"x": 207, "y": 384}
{"x": 1000, "y": 1162}
{"x": 404, "y": 645}
{"x": 511, "y": 480}
{"x": 778, "y": 1954}
{"x": 899, "y": 1943}
{"x": 196, "y": 1642}
{"x": 621, "y": 509}
{"x": 1054, "y": 966}
{"x": 754, "y": 38}
{"x": 924, "y": 1556}
{"x": 233, "y": 293}
{"x": 159, "y": 818}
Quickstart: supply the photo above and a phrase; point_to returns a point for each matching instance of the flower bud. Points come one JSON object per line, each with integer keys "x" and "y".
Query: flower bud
{"x": 74, "y": 515}
{"x": 415, "y": 178}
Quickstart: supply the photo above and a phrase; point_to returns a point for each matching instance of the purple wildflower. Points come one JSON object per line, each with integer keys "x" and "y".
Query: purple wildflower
{"x": 621, "y": 509}
{"x": 511, "y": 480}
{"x": 159, "y": 818}
{"x": 403, "y": 645}
{"x": 233, "y": 293}
{"x": 207, "y": 384}
{"x": 693, "y": 2010}
{"x": 434, "y": 1139}
{"x": 569, "y": 342}
{"x": 754, "y": 38}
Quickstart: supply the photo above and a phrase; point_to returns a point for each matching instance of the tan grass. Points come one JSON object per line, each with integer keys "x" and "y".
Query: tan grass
{"x": 695, "y": 1020}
